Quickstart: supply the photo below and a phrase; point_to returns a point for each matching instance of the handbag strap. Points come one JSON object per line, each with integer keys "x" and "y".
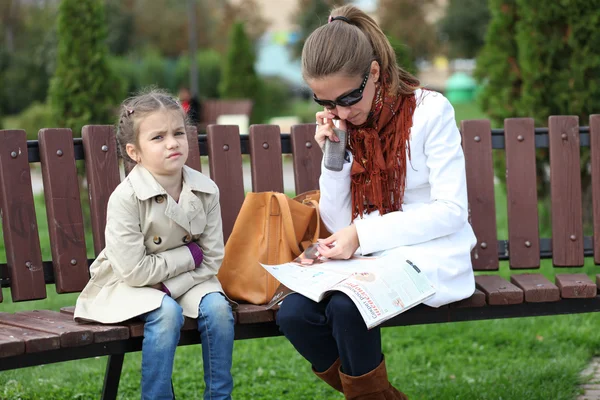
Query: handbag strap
{"x": 288, "y": 224}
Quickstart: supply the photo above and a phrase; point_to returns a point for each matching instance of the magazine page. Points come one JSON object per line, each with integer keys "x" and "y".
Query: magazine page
{"x": 382, "y": 292}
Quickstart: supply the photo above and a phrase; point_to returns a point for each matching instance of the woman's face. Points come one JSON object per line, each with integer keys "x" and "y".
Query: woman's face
{"x": 332, "y": 87}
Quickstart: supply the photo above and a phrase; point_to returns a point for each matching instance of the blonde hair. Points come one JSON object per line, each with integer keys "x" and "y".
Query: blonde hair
{"x": 350, "y": 47}
{"x": 134, "y": 109}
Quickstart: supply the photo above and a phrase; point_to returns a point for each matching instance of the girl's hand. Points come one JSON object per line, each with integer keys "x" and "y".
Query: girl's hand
{"x": 325, "y": 127}
{"x": 346, "y": 244}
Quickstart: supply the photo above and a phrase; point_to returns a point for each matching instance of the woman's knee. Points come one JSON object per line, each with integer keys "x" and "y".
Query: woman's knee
{"x": 295, "y": 311}
{"x": 341, "y": 307}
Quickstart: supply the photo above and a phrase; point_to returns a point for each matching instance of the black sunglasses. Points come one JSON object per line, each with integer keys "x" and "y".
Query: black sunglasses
{"x": 346, "y": 100}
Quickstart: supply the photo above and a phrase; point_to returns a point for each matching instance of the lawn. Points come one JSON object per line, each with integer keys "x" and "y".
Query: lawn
{"x": 520, "y": 359}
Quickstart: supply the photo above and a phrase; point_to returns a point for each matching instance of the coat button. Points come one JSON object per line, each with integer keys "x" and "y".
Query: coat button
{"x": 159, "y": 199}
{"x": 186, "y": 239}
{"x": 157, "y": 240}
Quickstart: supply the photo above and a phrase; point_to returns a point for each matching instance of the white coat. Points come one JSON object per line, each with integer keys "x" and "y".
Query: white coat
{"x": 432, "y": 229}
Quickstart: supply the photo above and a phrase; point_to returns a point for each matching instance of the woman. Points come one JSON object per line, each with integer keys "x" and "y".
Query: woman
{"x": 401, "y": 193}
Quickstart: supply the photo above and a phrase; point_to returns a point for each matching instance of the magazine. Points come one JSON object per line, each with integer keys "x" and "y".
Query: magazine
{"x": 379, "y": 291}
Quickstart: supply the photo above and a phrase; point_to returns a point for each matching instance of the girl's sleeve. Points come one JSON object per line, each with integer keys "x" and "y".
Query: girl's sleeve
{"x": 211, "y": 243}
{"x": 126, "y": 251}
{"x": 447, "y": 209}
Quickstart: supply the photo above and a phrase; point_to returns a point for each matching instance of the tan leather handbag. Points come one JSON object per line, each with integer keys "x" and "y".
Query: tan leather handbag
{"x": 269, "y": 229}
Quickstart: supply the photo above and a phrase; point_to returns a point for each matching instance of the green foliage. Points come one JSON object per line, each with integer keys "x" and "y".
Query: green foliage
{"x": 34, "y": 118}
{"x": 82, "y": 89}
{"x": 273, "y": 100}
{"x": 209, "y": 73}
{"x": 311, "y": 14}
{"x": 497, "y": 66}
{"x": 464, "y": 26}
{"x": 404, "y": 55}
{"x": 239, "y": 79}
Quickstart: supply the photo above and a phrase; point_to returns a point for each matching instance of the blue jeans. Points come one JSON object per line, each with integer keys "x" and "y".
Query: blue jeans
{"x": 161, "y": 335}
{"x": 322, "y": 332}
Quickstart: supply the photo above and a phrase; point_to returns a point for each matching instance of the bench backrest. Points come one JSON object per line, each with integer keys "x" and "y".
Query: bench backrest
{"x": 26, "y": 273}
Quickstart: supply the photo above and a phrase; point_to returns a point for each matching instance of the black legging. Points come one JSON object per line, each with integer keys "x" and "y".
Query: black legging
{"x": 322, "y": 332}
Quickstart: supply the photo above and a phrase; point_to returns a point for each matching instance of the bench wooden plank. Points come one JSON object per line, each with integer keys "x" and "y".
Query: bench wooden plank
{"x": 102, "y": 332}
{"x": 307, "y": 158}
{"x": 265, "y": 156}
{"x": 35, "y": 341}
{"x": 193, "y": 160}
{"x": 135, "y": 326}
{"x": 10, "y": 345}
{"x": 476, "y": 300}
{"x": 498, "y": 291}
{"x": 521, "y": 188}
{"x": 70, "y": 336}
{"x": 225, "y": 158}
{"x": 477, "y": 145}
{"x": 63, "y": 207}
{"x": 252, "y": 314}
{"x": 102, "y": 169}
{"x": 21, "y": 238}
{"x": 536, "y": 287}
{"x": 575, "y": 286}
{"x": 565, "y": 187}
{"x": 595, "y": 156}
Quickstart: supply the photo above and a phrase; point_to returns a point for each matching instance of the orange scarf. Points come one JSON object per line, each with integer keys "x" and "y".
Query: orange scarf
{"x": 380, "y": 148}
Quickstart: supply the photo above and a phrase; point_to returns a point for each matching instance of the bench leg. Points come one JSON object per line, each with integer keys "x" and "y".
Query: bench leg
{"x": 112, "y": 376}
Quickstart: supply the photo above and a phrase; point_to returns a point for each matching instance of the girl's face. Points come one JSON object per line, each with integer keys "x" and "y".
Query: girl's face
{"x": 162, "y": 143}
{"x": 336, "y": 86}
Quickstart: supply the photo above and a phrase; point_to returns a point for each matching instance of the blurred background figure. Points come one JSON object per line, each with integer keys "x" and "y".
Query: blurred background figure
{"x": 190, "y": 104}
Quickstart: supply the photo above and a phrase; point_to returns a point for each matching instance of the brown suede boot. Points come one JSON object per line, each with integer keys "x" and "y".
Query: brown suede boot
{"x": 373, "y": 385}
{"x": 332, "y": 376}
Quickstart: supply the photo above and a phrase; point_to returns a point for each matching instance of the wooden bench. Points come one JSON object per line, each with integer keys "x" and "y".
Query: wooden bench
{"x": 211, "y": 109}
{"x": 43, "y": 336}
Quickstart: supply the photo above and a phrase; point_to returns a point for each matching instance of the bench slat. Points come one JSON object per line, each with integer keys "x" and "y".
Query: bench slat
{"x": 193, "y": 160}
{"x": 10, "y": 345}
{"x": 595, "y": 156}
{"x": 521, "y": 188}
{"x": 21, "y": 238}
{"x": 63, "y": 207}
{"x": 536, "y": 287}
{"x": 477, "y": 145}
{"x": 307, "y": 157}
{"x": 102, "y": 332}
{"x": 35, "y": 341}
{"x": 476, "y": 300}
{"x": 70, "y": 336}
{"x": 251, "y": 314}
{"x": 575, "y": 286}
{"x": 265, "y": 156}
{"x": 565, "y": 186}
{"x": 102, "y": 169}
{"x": 225, "y": 157}
{"x": 498, "y": 291}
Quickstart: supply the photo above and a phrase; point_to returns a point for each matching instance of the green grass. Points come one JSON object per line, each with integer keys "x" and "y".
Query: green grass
{"x": 521, "y": 359}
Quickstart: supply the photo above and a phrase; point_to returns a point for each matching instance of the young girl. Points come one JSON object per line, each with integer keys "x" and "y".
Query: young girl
{"x": 401, "y": 193}
{"x": 164, "y": 246}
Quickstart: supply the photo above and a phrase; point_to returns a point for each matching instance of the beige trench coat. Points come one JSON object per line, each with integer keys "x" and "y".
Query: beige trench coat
{"x": 146, "y": 233}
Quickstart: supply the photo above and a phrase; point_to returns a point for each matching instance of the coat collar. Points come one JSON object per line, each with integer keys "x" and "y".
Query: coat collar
{"x": 145, "y": 186}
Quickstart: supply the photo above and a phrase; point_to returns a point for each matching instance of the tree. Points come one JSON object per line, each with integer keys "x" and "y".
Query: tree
{"x": 464, "y": 26}
{"x": 539, "y": 62}
{"x": 311, "y": 14}
{"x": 406, "y": 21}
{"x": 239, "y": 79}
{"x": 82, "y": 89}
